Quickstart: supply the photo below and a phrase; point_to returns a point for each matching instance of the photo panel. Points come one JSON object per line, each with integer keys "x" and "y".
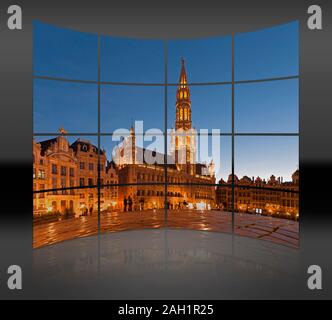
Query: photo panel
{"x": 136, "y": 213}
{"x": 267, "y": 53}
{"x": 201, "y": 164}
{"x": 133, "y": 154}
{"x": 267, "y": 107}
{"x": 132, "y": 60}
{"x": 126, "y": 106}
{"x": 206, "y": 108}
{"x": 64, "y": 53}
{"x": 132, "y": 184}
{"x": 266, "y": 186}
{"x": 207, "y": 60}
{"x": 66, "y": 106}
{"x": 66, "y": 167}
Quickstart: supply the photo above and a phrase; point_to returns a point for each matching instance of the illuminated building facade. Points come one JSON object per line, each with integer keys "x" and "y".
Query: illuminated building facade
{"x": 57, "y": 164}
{"x": 259, "y": 196}
{"x": 189, "y": 182}
{"x": 140, "y": 174}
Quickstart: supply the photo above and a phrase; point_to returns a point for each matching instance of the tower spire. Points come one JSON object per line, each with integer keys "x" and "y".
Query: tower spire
{"x": 185, "y": 143}
{"x": 183, "y": 104}
{"x": 183, "y": 76}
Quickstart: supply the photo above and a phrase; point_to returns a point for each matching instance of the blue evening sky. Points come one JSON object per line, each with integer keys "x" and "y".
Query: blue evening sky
{"x": 259, "y": 107}
{"x": 271, "y": 106}
{"x": 267, "y": 53}
{"x": 64, "y": 53}
{"x": 264, "y": 156}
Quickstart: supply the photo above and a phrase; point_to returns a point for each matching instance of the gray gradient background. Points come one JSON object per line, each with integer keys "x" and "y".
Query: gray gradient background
{"x": 156, "y": 19}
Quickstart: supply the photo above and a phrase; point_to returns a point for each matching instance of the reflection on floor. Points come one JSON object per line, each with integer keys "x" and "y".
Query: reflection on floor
{"x": 281, "y": 231}
{"x": 166, "y": 264}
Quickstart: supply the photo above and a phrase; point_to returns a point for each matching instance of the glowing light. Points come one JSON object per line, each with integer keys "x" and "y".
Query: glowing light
{"x": 200, "y": 206}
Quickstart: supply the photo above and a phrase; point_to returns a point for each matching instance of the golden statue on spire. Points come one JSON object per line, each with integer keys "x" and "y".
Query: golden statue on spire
{"x": 62, "y": 131}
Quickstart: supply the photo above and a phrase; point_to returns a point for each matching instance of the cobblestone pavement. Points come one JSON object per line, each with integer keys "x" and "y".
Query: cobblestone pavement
{"x": 281, "y": 231}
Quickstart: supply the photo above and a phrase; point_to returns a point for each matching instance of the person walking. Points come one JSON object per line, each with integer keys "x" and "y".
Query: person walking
{"x": 125, "y": 204}
{"x": 130, "y": 203}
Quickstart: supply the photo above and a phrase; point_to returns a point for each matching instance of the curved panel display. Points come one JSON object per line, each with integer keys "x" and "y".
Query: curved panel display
{"x": 191, "y": 134}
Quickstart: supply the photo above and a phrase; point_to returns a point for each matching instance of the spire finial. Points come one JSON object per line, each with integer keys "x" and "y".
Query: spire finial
{"x": 183, "y": 76}
{"x": 62, "y": 131}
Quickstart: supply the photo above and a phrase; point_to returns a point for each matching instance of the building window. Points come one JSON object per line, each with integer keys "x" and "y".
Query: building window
{"x": 81, "y": 182}
{"x": 63, "y": 185}
{"x": 72, "y": 184}
{"x": 54, "y": 206}
{"x": 71, "y": 172}
{"x": 41, "y": 174}
{"x": 63, "y": 171}
{"x": 54, "y": 169}
{"x": 54, "y": 185}
{"x": 90, "y": 182}
{"x": 82, "y": 165}
{"x": 91, "y": 166}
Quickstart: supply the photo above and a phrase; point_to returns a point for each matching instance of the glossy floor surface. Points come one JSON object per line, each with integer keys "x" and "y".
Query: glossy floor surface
{"x": 281, "y": 231}
{"x": 167, "y": 264}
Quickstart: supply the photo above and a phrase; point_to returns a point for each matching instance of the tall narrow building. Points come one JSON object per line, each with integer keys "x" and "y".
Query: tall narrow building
{"x": 183, "y": 103}
{"x": 185, "y": 140}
